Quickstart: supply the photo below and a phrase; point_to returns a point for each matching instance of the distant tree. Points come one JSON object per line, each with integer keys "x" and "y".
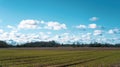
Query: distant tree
{"x": 40, "y": 44}
{"x": 3, "y": 44}
{"x": 117, "y": 45}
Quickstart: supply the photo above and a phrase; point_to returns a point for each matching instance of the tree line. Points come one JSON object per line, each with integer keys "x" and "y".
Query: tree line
{"x": 3, "y": 44}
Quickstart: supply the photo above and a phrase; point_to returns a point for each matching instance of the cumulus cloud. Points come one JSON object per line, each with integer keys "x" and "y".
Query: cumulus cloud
{"x": 55, "y": 26}
{"x": 93, "y": 26}
{"x": 10, "y": 27}
{"x": 111, "y": 32}
{"x": 86, "y": 36}
{"x": 68, "y": 38}
{"x": 16, "y": 34}
{"x": 114, "y": 31}
{"x": 35, "y": 24}
{"x": 81, "y": 27}
{"x": 4, "y": 36}
{"x": 18, "y": 38}
{"x": 65, "y": 38}
{"x": 1, "y": 31}
{"x": 97, "y": 32}
{"x": 93, "y": 18}
{"x": 28, "y": 24}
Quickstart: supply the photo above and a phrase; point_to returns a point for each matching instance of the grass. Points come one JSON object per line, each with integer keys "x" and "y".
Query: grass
{"x": 59, "y": 58}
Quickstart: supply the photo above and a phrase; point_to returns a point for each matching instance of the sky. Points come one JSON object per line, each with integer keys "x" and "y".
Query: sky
{"x": 65, "y": 21}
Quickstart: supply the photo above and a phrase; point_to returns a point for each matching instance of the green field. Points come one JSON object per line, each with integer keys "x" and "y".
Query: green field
{"x": 59, "y": 57}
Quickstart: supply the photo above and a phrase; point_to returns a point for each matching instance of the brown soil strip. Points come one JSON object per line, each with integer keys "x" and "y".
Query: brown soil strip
{"x": 116, "y": 65}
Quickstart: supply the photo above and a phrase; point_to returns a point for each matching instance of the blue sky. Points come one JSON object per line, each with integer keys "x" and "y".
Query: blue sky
{"x": 61, "y": 20}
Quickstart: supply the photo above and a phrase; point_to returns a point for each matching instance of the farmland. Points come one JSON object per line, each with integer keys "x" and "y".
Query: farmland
{"x": 59, "y": 57}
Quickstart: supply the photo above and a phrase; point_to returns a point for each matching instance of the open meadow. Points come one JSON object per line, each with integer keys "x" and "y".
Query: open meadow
{"x": 60, "y": 57}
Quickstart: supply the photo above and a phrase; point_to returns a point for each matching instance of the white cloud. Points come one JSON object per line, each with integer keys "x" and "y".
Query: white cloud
{"x": 49, "y": 32}
{"x": 111, "y": 32}
{"x": 92, "y": 26}
{"x": 11, "y": 27}
{"x": 23, "y": 38}
{"x": 81, "y": 27}
{"x": 28, "y": 24}
{"x": 17, "y": 34}
{"x": 1, "y": 31}
{"x": 64, "y": 38}
{"x": 86, "y": 36}
{"x": 97, "y": 32}
{"x": 93, "y": 18}
{"x": 114, "y": 31}
{"x": 68, "y": 38}
{"x": 42, "y": 22}
{"x": 55, "y": 26}
{"x": 35, "y": 24}
{"x": 43, "y": 36}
